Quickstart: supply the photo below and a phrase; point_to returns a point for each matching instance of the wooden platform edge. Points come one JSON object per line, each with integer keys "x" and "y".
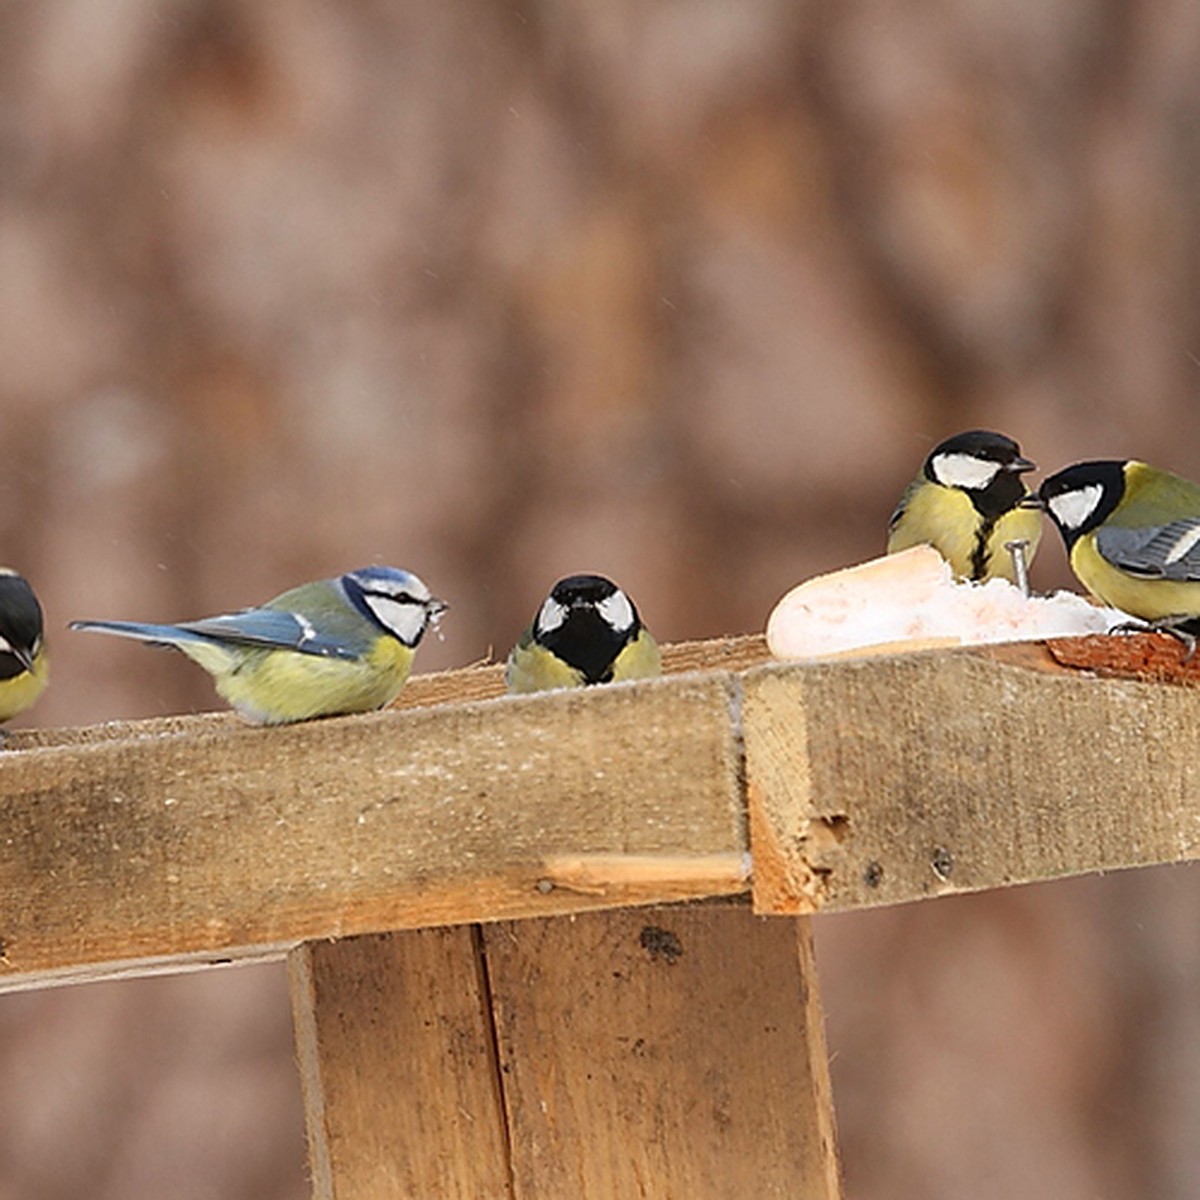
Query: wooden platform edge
{"x": 175, "y": 844}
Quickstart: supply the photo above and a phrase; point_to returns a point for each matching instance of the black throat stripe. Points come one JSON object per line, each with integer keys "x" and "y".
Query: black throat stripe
{"x": 981, "y": 556}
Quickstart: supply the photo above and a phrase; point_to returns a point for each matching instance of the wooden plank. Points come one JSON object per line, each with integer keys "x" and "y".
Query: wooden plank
{"x": 172, "y": 844}
{"x": 662, "y": 1053}
{"x": 888, "y": 779}
{"x": 398, "y": 1068}
{"x": 133, "y": 853}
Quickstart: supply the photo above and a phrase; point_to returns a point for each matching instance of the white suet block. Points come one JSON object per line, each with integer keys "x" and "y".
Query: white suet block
{"x": 910, "y": 601}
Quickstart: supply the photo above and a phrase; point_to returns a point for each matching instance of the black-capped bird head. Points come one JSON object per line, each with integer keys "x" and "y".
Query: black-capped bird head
{"x": 586, "y": 621}
{"x": 20, "y": 624}
{"x": 1082, "y": 497}
{"x": 986, "y": 466}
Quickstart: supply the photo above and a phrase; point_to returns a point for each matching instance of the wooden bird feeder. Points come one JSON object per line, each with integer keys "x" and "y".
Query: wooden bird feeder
{"x": 559, "y": 945}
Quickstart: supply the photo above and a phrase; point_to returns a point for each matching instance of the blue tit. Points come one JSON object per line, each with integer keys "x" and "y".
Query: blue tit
{"x": 342, "y": 645}
{"x": 24, "y": 670}
{"x": 587, "y": 631}
{"x": 967, "y": 503}
{"x": 1132, "y": 534}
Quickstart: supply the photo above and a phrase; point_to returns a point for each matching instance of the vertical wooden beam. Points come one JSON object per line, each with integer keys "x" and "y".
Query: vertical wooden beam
{"x": 655, "y": 1052}
{"x": 665, "y": 1052}
{"x": 398, "y": 1068}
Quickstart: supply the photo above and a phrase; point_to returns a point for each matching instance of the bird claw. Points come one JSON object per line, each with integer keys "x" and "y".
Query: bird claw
{"x": 1187, "y": 640}
{"x": 1132, "y": 627}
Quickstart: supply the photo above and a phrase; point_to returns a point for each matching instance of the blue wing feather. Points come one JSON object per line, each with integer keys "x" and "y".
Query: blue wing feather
{"x": 256, "y": 627}
{"x": 271, "y": 628}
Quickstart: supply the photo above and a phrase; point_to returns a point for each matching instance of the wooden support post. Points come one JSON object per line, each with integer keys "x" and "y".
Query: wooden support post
{"x": 398, "y": 1068}
{"x": 657, "y": 1052}
{"x": 663, "y": 1052}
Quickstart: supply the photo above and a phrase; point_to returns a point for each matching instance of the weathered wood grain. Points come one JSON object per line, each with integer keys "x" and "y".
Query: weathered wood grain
{"x": 170, "y": 844}
{"x": 398, "y": 1068}
{"x": 889, "y": 779}
{"x": 223, "y": 840}
{"x": 662, "y": 1053}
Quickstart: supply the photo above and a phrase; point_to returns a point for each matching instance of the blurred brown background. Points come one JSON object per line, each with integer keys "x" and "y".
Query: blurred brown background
{"x": 678, "y": 291}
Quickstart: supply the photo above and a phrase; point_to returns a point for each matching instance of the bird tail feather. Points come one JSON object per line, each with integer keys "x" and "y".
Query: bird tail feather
{"x": 165, "y": 635}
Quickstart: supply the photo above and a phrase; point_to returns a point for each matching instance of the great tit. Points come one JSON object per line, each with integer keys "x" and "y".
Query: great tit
{"x": 1132, "y": 534}
{"x": 24, "y": 670}
{"x": 967, "y": 503}
{"x": 341, "y": 645}
{"x": 587, "y": 631}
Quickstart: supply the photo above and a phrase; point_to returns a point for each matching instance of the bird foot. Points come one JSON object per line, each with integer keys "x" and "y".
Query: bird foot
{"x": 1168, "y": 626}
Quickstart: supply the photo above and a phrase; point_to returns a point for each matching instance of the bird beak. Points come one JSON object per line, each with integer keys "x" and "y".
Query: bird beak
{"x": 22, "y": 656}
{"x": 1032, "y": 500}
{"x": 1019, "y": 466}
{"x": 434, "y": 608}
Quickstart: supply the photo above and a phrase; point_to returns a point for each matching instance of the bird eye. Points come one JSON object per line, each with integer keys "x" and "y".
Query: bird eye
{"x": 394, "y": 597}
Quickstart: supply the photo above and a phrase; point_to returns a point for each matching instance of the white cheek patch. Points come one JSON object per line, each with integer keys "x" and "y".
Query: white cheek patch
{"x": 5, "y": 646}
{"x": 405, "y": 618}
{"x": 551, "y": 615}
{"x": 617, "y": 611}
{"x": 1072, "y": 509}
{"x": 964, "y": 471}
